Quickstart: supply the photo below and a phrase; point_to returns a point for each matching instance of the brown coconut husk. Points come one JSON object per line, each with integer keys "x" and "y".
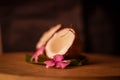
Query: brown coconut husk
{"x": 76, "y": 48}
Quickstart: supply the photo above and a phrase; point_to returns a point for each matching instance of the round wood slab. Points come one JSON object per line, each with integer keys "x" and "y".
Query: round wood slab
{"x": 14, "y": 67}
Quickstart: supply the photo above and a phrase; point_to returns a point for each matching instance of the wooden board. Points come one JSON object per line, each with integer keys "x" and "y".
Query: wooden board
{"x": 0, "y": 40}
{"x": 14, "y": 67}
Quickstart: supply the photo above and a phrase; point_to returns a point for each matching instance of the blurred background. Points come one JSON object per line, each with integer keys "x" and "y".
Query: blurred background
{"x": 22, "y": 22}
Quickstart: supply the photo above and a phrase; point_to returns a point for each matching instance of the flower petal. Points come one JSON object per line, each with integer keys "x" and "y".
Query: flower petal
{"x": 49, "y": 63}
{"x": 58, "y": 58}
{"x": 37, "y": 53}
{"x": 62, "y": 64}
{"x": 40, "y": 50}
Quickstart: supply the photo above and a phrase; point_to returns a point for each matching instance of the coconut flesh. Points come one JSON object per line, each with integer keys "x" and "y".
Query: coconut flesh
{"x": 47, "y": 35}
{"x": 61, "y": 41}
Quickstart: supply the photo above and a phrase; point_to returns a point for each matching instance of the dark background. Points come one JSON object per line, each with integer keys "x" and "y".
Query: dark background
{"x": 96, "y": 21}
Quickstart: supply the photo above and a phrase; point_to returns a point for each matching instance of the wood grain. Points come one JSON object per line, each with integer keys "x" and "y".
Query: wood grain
{"x": 0, "y": 40}
{"x": 99, "y": 67}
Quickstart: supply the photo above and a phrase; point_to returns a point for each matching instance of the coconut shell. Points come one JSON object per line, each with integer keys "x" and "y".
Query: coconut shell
{"x": 76, "y": 48}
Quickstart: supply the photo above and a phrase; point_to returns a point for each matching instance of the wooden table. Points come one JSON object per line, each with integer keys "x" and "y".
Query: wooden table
{"x": 99, "y": 67}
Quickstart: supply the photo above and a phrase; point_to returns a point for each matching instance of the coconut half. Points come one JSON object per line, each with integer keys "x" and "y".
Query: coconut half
{"x": 59, "y": 40}
{"x": 63, "y": 43}
{"x": 47, "y": 35}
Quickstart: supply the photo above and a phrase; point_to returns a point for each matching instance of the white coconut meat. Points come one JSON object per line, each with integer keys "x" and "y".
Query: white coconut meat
{"x": 47, "y": 35}
{"x": 60, "y": 42}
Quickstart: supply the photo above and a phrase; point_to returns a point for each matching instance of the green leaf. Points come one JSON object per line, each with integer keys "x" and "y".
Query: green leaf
{"x": 78, "y": 62}
{"x": 28, "y": 58}
{"x": 41, "y": 59}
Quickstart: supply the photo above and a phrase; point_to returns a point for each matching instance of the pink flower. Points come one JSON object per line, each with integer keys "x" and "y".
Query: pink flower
{"x": 37, "y": 53}
{"x": 58, "y": 61}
